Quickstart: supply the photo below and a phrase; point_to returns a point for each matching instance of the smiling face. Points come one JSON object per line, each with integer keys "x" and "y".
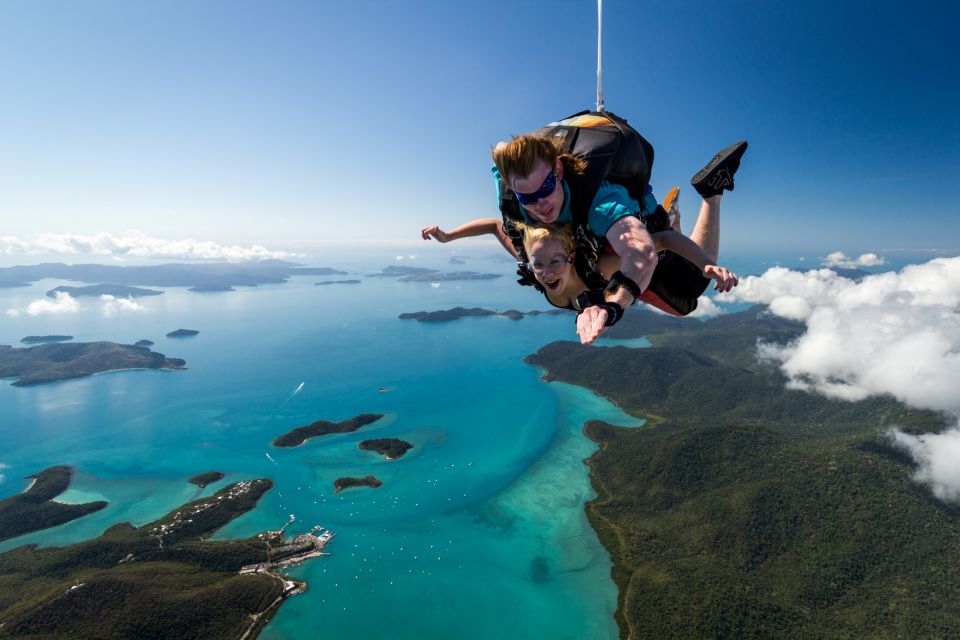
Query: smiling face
{"x": 551, "y": 263}
{"x": 545, "y": 209}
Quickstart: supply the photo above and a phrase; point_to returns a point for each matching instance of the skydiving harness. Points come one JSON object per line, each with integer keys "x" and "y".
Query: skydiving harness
{"x": 615, "y": 152}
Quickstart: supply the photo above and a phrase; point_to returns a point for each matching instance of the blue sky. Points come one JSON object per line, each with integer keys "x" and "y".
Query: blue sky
{"x": 296, "y": 125}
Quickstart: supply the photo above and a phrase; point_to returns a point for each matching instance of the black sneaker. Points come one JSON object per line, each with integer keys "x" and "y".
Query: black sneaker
{"x": 717, "y": 175}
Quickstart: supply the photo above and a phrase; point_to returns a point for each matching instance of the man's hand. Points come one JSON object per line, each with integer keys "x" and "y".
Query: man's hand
{"x": 725, "y": 279}
{"x": 434, "y": 232}
{"x": 591, "y": 322}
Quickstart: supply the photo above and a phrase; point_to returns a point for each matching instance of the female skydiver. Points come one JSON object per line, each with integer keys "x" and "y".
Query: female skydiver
{"x": 684, "y": 268}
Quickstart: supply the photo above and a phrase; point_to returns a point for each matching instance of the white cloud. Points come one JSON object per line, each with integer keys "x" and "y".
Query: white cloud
{"x": 3, "y": 477}
{"x": 111, "y": 305}
{"x": 62, "y": 302}
{"x": 706, "y": 308}
{"x": 839, "y": 259}
{"x": 136, "y": 244}
{"x": 894, "y": 333}
{"x": 937, "y": 454}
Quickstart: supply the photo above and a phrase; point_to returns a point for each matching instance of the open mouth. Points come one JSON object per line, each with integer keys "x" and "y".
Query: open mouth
{"x": 552, "y": 285}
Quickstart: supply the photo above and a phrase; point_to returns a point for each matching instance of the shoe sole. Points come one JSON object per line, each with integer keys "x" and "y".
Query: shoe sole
{"x": 713, "y": 175}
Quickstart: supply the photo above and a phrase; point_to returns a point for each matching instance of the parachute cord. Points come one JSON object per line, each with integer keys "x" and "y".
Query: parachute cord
{"x": 599, "y": 56}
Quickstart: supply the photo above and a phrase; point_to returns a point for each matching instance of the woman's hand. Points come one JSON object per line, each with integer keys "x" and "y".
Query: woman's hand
{"x": 434, "y": 232}
{"x": 725, "y": 279}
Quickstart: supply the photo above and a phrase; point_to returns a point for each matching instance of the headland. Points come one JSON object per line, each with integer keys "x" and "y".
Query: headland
{"x": 746, "y": 509}
{"x": 36, "y": 509}
{"x": 164, "y": 579}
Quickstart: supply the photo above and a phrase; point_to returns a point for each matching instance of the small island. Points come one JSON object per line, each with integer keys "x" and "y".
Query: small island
{"x": 213, "y": 287}
{"x": 447, "y": 315}
{"x": 36, "y": 509}
{"x": 183, "y": 333}
{"x": 390, "y": 448}
{"x": 345, "y": 483}
{"x": 203, "y": 480}
{"x": 97, "y": 290}
{"x": 42, "y": 339}
{"x": 165, "y": 579}
{"x": 325, "y": 282}
{"x": 62, "y": 361}
{"x": 422, "y": 274}
{"x": 298, "y": 436}
{"x": 143, "y": 343}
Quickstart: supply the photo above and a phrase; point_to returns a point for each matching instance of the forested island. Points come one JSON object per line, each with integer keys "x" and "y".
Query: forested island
{"x": 456, "y": 313}
{"x": 298, "y": 436}
{"x": 183, "y": 333}
{"x": 345, "y": 483}
{"x": 207, "y": 276}
{"x": 390, "y": 448}
{"x": 422, "y": 274}
{"x": 42, "y": 339}
{"x": 62, "y": 361}
{"x": 203, "y": 480}
{"x": 326, "y": 282}
{"x": 166, "y": 579}
{"x": 97, "y": 290}
{"x": 747, "y": 510}
{"x": 36, "y": 509}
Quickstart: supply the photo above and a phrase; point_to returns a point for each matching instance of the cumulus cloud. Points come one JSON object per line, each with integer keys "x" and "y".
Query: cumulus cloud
{"x": 62, "y": 302}
{"x": 839, "y": 259}
{"x": 111, "y": 306}
{"x": 706, "y": 308}
{"x": 135, "y": 244}
{"x": 894, "y": 333}
{"x": 3, "y": 477}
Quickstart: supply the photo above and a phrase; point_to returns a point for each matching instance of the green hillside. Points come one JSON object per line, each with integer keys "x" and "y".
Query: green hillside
{"x": 746, "y": 510}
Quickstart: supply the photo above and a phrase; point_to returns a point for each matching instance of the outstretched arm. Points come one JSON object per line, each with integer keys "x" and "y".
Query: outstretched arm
{"x": 477, "y": 227}
{"x": 638, "y": 258}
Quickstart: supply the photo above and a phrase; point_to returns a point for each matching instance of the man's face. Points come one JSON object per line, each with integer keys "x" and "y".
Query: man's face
{"x": 546, "y": 208}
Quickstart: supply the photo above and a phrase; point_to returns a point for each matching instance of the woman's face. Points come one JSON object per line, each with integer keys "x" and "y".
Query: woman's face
{"x": 551, "y": 264}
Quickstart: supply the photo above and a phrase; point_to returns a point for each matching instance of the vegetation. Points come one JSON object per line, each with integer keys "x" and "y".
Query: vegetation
{"x": 298, "y": 436}
{"x": 746, "y": 510}
{"x": 42, "y": 339}
{"x": 52, "y": 362}
{"x": 204, "y": 480}
{"x": 345, "y": 483}
{"x": 156, "y": 581}
{"x": 34, "y": 510}
{"x": 392, "y": 448}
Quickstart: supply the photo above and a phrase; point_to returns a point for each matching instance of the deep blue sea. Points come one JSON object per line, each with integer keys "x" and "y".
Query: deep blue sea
{"x": 478, "y": 532}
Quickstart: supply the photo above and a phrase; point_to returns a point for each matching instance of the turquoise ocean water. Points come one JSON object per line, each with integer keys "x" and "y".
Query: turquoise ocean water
{"x": 478, "y": 532}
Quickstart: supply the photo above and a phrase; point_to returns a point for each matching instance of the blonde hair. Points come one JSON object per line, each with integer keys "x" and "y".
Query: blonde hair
{"x": 535, "y": 233}
{"x": 518, "y": 158}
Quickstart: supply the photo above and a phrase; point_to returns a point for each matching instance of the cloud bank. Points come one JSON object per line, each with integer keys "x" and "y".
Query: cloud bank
{"x": 64, "y": 303}
{"x": 894, "y": 333}
{"x": 111, "y": 306}
{"x": 135, "y": 244}
{"x": 839, "y": 259}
